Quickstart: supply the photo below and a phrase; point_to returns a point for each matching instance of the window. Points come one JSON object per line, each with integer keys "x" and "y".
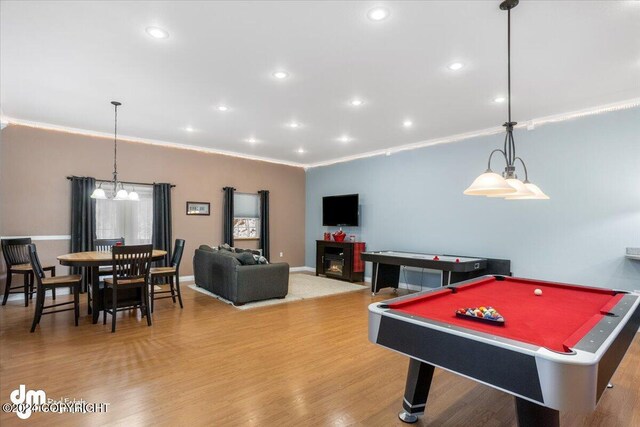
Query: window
{"x": 124, "y": 218}
{"x": 246, "y": 220}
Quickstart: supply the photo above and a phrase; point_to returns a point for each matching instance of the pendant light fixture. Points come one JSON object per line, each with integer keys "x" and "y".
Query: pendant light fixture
{"x": 507, "y": 185}
{"x": 121, "y": 193}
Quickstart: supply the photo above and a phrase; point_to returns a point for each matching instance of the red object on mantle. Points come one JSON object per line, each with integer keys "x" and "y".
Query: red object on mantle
{"x": 327, "y": 236}
{"x": 339, "y": 236}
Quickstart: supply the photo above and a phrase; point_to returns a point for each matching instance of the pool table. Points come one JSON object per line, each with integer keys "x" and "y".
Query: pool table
{"x": 554, "y": 351}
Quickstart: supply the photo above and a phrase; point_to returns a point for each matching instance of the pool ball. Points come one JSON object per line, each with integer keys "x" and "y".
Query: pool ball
{"x": 538, "y": 292}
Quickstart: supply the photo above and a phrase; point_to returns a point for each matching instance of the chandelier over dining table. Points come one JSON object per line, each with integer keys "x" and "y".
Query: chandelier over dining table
{"x": 118, "y": 191}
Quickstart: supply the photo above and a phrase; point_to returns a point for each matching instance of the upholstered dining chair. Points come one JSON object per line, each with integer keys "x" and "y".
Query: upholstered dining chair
{"x": 172, "y": 273}
{"x": 16, "y": 257}
{"x": 43, "y": 283}
{"x": 130, "y": 266}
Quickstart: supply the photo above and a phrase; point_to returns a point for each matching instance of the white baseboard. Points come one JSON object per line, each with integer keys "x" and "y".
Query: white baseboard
{"x": 187, "y": 278}
{"x": 301, "y": 269}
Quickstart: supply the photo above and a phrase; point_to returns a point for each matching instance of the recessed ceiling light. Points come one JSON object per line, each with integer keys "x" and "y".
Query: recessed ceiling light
{"x": 456, "y": 66}
{"x": 300, "y": 151}
{"x": 294, "y": 125}
{"x": 378, "y": 14}
{"x": 251, "y": 140}
{"x": 357, "y": 102}
{"x": 388, "y": 153}
{"x": 499, "y": 99}
{"x": 223, "y": 108}
{"x": 407, "y": 123}
{"x": 157, "y": 33}
{"x": 280, "y": 74}
{"x": 189, "y": 129}
{"x": 344, "y": 138}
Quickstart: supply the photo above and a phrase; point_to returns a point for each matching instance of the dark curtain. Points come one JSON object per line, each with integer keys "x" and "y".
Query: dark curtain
{"x": 264, "y": 223}
{"x": 83, "y": 218}
{"x": 161, "y": 234}
{"x": 227, "y": 215}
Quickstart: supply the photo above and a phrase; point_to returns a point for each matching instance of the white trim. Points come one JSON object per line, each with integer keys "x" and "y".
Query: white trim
{"x": 301, "y": 269}
{"x": 187, "y": 278}
{"x": 47, "y": 126}
{"x": 524, "y": 124}
{"x": 51, "y": 237}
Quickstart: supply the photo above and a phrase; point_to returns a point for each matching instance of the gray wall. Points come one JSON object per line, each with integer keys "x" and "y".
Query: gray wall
{"x": 413, "y": 201}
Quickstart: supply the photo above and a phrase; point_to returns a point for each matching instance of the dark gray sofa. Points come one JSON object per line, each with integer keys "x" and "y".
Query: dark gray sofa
{"x": 221, "y": 273}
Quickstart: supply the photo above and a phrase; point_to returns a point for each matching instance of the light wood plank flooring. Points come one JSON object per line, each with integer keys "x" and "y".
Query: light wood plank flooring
{"x": 303, "y": 363}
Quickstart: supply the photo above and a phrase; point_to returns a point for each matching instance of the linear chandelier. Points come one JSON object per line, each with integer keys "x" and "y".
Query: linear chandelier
{"x": 116, "y": 194}
{"x": 507, "y": 185}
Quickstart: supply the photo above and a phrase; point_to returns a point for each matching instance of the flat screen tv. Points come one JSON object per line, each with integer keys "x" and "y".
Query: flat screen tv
{"x": 340, "y": 211}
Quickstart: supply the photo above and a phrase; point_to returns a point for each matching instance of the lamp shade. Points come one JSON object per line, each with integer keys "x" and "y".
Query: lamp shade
{"x": 134, "y": 196}
{"x": 121, "y": 195}
{"x": 516, "y": 184}
{"x": 538, "y": 194}
{"x": 98, "y": 193}
{"x": 490, "y": 184}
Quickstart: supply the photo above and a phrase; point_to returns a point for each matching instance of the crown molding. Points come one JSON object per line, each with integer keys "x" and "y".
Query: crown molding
{"x": 527, "y": 124}
{"x": 134, "y": 139}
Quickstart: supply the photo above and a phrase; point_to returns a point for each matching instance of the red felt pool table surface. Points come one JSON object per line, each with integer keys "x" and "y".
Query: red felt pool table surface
{"x": 557, "y": 319}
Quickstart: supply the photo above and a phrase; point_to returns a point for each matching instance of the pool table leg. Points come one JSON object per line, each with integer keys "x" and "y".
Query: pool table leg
{"x": 533, "y": 415}
{"x": 416, "y": 391}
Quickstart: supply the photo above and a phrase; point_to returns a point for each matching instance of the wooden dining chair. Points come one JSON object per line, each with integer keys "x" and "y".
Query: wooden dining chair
{"x": 16, "y": 257}
{"x": 130, "y": 266}
{"x": 105, "y": 245}
{"x": 44, "y": 283}
{"x": 172, "y": 273}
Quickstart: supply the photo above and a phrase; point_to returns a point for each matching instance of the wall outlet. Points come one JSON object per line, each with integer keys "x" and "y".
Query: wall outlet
{"x": 281, "y": 254}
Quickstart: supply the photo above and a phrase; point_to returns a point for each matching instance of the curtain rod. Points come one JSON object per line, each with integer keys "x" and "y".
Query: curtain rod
{"x": 124, "y": 182}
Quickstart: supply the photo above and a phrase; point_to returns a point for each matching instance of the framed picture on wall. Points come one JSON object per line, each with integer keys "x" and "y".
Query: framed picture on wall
{"x": 198, "y": 208}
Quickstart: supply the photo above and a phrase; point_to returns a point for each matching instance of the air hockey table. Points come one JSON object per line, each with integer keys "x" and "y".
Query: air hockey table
{"x": 386, "y": 266}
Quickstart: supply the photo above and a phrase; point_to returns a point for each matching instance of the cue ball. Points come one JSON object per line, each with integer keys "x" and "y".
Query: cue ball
{"x": 538, "y": 292}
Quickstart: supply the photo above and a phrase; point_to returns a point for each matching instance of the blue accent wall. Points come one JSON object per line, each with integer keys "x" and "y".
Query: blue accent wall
{"x": 413, "y": 201}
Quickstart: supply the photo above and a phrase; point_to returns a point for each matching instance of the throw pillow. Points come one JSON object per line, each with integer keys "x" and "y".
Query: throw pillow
{"x": 246, "y": 258}
{"x": 207, "y": 248}
{"x": 260, "y": 259}
{"x": 226, "y": 247}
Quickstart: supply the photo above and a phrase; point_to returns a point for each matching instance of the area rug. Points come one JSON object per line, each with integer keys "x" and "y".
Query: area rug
{"x": 301, "y": 287}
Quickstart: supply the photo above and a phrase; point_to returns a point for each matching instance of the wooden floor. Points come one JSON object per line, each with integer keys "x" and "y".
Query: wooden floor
{"x": 305, "y": 363}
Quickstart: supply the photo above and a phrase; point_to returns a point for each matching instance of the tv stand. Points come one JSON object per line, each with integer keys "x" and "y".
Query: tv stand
{"x": 340, "y": 260}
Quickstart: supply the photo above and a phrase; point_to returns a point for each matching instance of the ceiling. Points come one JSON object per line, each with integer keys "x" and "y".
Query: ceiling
{"x": 63, "y": 62}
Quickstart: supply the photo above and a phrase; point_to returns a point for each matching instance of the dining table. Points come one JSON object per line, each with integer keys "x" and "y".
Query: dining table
{"x": 91, "y": 262}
